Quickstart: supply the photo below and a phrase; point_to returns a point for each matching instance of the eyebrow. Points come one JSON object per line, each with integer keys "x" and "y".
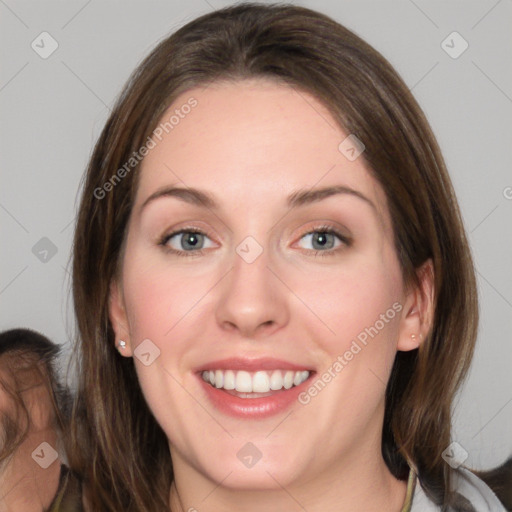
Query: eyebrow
{"x": 200, "y": 198}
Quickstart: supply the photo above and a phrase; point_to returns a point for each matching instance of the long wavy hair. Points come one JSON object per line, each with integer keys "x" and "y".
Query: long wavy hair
{"x": 116, "y": 444}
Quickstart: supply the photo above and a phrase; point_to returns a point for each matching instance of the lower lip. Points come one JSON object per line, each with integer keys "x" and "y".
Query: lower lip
{"x": 262, "y": 407}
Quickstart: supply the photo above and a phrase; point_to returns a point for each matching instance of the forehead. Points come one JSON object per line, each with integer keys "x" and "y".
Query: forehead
{"x": 249, "y": 139}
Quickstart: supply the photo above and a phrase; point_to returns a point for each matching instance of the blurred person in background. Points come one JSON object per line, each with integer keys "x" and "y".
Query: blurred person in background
{"x": 34, "y": 411}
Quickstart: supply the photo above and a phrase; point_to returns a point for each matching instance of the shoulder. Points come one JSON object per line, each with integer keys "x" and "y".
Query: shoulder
{"x": 472, "y": 495}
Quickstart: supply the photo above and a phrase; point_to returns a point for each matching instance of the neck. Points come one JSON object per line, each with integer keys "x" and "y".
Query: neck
{"x": 357, "y": 481}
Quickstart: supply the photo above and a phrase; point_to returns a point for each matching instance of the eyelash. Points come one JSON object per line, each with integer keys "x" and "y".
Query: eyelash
{"x": 166, "y": 238}
{"x": 324, "y": 229}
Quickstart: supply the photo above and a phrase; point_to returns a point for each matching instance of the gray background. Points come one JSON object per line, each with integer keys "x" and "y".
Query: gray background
{"x": 52, "y": 111}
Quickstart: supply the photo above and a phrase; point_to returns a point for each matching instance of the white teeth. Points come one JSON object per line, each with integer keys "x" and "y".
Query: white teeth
{"x": 298, "y": 378}
{"x": 254, "y": 382}
{"x": 276, "y": 380}
{"x": 229, "y": 380}
{"x": 288, "y": 380}
{"x": 243, "y": 383}
{"x": 219, "y": 378}
{"x": 260, "y": 382}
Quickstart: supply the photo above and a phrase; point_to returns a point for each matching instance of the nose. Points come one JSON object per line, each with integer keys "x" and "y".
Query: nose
{"x": 253, "y": 300}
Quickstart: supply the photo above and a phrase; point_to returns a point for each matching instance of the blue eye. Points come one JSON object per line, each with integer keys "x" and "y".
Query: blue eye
{"x": 191, "y": 242}
{"x": 324, "y": 240}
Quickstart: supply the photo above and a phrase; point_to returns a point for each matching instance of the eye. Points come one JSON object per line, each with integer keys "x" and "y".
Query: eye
{"x": 185, "y": 242}
{"x": 191, "y": 241}
{"x": 323, "y": 239}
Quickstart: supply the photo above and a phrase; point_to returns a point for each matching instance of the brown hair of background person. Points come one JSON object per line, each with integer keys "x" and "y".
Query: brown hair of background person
{"x": 122, "y": 452}
{"x": 34, "y": 408}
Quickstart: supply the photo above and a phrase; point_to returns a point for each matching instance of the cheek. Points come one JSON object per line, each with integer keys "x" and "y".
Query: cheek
{"x": 157, "y": 297}
{"x": 361, "y": 302}
{"x": 161, "y": 304}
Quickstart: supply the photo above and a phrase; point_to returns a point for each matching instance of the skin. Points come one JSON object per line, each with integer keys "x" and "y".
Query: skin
{"x": 24, "y": 484}
{"x": 250, "y": 144}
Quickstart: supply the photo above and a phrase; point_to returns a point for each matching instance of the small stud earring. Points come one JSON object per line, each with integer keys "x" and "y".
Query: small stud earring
{"x": 413, "y": 336}
{"x": 122, "y": 344}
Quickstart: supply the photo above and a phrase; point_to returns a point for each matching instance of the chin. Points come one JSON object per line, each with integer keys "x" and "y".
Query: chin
{"x": 245, "y": 471}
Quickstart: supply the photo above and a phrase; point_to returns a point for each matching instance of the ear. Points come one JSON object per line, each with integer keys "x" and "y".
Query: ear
{"x": 119, "y": 318}
{"x": 418, "y": 311}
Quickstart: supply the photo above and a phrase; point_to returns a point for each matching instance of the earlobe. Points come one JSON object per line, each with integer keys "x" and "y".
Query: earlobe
{"x": 119, "y": 320}
{"x": 418, "y": 311}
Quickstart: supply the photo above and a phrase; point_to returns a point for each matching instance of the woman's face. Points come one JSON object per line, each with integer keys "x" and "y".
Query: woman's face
{"x": 261, "y": 295}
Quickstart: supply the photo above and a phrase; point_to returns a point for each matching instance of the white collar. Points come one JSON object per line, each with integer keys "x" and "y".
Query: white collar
{"x": 468, "y": 485}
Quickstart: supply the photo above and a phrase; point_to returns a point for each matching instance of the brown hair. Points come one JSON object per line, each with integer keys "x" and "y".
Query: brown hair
{"x": 27, "y": 360}
{"x": 122, "y": 452}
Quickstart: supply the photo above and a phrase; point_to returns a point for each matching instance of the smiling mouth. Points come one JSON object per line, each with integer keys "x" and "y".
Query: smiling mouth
{"x": 262, "y": 383}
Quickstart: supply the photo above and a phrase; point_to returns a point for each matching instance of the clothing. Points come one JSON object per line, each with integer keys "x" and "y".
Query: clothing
{"x": 69, "y": 493}
{"x": 473, "y": 495}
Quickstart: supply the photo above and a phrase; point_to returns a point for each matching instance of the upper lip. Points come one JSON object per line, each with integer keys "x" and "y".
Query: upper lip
{"x": 251, "y": 364}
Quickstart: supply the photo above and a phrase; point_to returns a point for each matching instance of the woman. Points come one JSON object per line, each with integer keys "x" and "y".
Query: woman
{"x": 274, "y": 293}
{"x": 34, "y": 414}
